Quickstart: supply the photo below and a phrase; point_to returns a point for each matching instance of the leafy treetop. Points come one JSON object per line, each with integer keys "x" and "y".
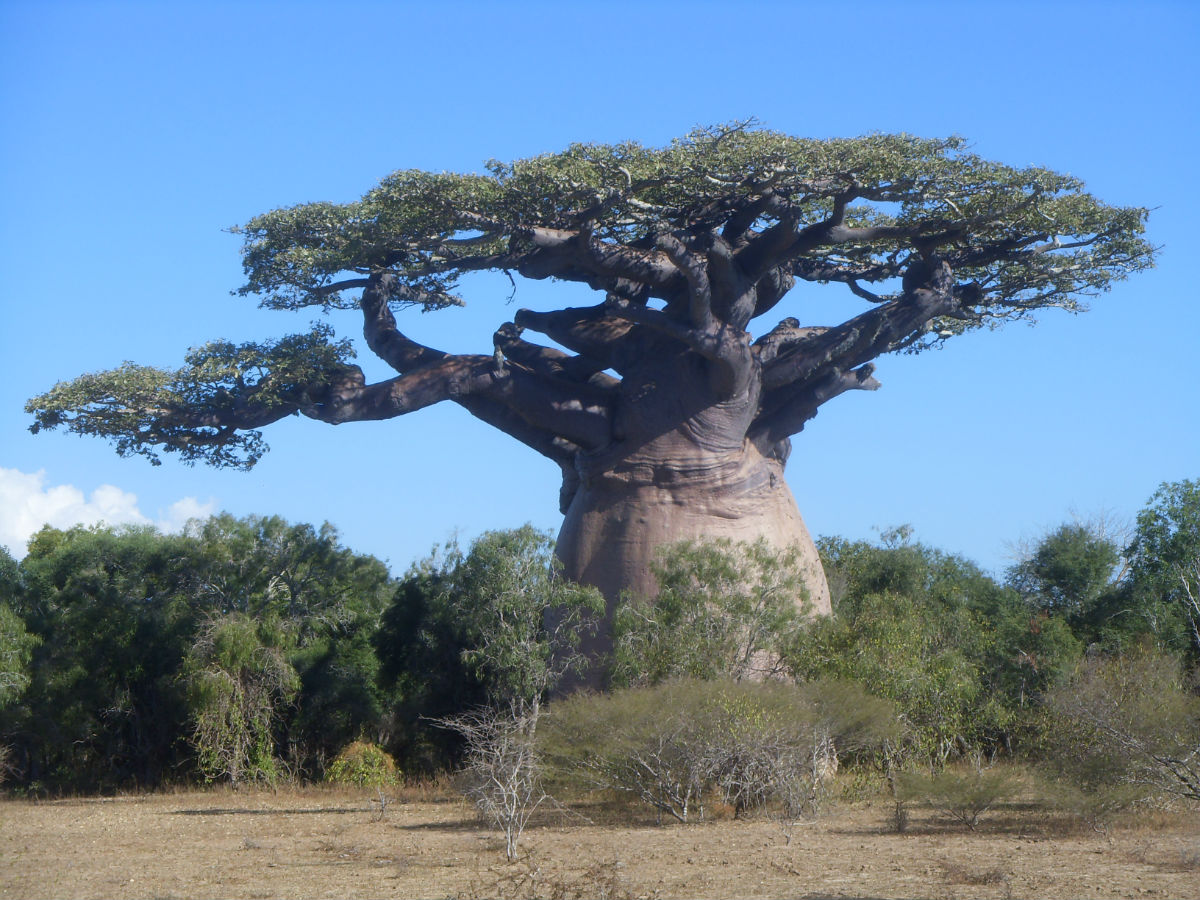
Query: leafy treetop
{"x": 687, "y": 243}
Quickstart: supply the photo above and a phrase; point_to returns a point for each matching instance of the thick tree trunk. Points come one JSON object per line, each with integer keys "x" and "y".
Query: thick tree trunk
{"x": 680, "y": 467}
{"x": 619, "y": 518}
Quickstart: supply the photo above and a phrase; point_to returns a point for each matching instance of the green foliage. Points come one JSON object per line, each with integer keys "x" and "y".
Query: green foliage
{"x": 1069, "y": 571}
{"x": 141, "y": 408}
{"x": 651, "y": 743}
{"x": 238, "y": 679}
{"x": 16, "y": 652}
{"x": 302, "y": 576}
{"x": 861, "y": 211}
{"x": 1093, "y": 794}
{"x": 1125, "y": 728}
{"x": 1030, "y": 653}
{"x": 964, "y": 797}
{"x": 327, "y": 600}
{"x": 449, "y": 223}
{"x": 521, "y": 623}
{"x": 495, "y": 626}
{"x": 774, "y": 741}
{"x": 113, "y": 614}
{"x": 723, "y": 610}
{"x": 16, "y": 643}
{"x": 959, "y": 655}
{"x": 896, "y": 652}
{"x": 12, "y": 579}
{"x": 1165, "y": 567}
{"x": 419, "y": 648}
{"x": 252, "y": 641}
{"x": 752, "y": 741}
{"x": 363, "y": 764}
{"x": 340, "y": 698}
{"x": 110, "y": 609}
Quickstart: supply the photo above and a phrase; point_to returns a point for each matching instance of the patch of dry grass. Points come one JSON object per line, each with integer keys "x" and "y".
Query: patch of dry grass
{"x": 326, "y": 841}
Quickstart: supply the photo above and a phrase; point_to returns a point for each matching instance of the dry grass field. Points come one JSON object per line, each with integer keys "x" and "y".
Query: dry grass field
{"x": 315, "y": 843}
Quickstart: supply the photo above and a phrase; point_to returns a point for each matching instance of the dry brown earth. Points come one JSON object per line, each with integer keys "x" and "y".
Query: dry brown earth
{"x": 315, "y": 843}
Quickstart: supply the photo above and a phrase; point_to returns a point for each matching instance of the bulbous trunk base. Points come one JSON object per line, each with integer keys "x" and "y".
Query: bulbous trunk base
{"x": 618, "y": 519}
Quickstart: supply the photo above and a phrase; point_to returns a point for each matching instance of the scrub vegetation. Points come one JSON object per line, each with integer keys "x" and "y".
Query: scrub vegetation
{"x": 1061, "y": 697}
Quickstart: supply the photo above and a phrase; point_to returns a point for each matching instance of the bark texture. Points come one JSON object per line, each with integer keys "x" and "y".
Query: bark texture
{"x": 681, "y": 468}
{"x": 620, "y": 518}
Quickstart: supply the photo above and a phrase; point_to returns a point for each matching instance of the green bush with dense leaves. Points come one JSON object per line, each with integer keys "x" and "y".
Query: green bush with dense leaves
{"x": 929, "y": 632}
{"x": 363, "y": 764}
{"x": 238, "y": 681}
{"x": 1164, "y": 580}
{"x": 115, "y": 620}
{"x": 494, "y": 626}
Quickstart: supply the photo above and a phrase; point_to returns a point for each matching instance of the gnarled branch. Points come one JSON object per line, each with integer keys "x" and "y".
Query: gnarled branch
{"x": 784, "y": 416}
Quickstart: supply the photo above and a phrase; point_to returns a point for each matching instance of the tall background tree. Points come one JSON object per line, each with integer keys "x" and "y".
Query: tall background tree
{"x": 668, "y": 417}
{"x": 1165, "y": 566}
{"x": 492, "y": 627}
{"x": 130, "y": 657}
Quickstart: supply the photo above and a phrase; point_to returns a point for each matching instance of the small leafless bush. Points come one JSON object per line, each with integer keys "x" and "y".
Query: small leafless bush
{"x": 1189, "y": 859}
{"x": 502, "y": 770}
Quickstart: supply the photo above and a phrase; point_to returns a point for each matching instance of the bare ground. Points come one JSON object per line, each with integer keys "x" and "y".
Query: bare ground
{"x": 316, "y": 842}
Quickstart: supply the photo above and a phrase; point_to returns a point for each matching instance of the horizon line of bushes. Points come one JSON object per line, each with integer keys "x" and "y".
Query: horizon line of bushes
{"x": 252, "y": 649}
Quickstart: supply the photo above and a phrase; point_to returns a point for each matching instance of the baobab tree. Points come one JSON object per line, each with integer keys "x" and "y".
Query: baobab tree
{"x": 668, "y": 411}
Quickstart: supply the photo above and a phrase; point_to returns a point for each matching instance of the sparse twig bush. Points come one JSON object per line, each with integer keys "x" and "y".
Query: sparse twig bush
{"x": 502, "y": 769}
{"x": 529, "y": 880}
{"x": 956, "y": 873}
{"x": 1124, "y": 729}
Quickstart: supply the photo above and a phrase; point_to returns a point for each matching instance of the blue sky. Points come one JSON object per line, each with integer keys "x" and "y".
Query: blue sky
{"x": 134, "y": 133}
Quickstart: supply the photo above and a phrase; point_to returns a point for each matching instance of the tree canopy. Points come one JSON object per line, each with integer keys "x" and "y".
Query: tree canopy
{"x": 688, "y": 244}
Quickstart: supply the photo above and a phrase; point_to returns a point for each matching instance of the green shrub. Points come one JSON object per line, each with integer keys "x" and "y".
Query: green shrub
{"x": 647, "y": 743}
{"x": 362, "y": 764}
{"x": 1124, "y": 729}
{"x": 723, "y": 610}
{"x": 238, "y": 682}
{"x": 749, "y": 742}
{"x": 1097, "y": 801}
{"x": 964, "y": 797}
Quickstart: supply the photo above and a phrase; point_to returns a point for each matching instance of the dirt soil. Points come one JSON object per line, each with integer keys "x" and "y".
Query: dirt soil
{"x": 315, "y": 843}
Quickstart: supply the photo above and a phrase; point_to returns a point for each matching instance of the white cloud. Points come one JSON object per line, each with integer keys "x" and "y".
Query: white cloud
{"x": 181, "y": 510}
{"x": 27, "y": 503}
